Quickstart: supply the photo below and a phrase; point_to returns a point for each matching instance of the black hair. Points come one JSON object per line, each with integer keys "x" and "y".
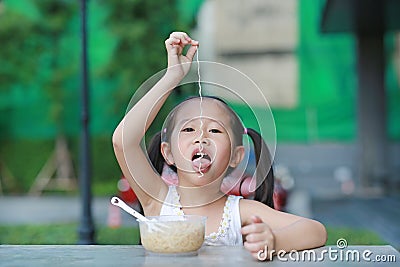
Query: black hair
{"x": 263, "y": 173}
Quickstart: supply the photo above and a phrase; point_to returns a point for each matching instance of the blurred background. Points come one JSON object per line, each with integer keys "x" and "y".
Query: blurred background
{"x": 330, "y": 70}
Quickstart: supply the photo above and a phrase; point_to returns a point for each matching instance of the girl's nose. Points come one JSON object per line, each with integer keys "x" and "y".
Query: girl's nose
{"x": 201, "y": 139}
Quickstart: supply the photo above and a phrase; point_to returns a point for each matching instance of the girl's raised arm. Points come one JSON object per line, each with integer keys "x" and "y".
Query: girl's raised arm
{"x": 130, "y": 131}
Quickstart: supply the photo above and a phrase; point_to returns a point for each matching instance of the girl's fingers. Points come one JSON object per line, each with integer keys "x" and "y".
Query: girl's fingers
{"x": 170, "y": 42}
{"x": 175, "y": 45}
{"x": 182, "y": 38}
{"x": 256, "y": 247}
{"x": 192, "y": 51}
{"x": 253, "y": 228}
{"x": 256, "y": 219}
{"x": 181, "y": 35}
{"x": 258, "y": 237}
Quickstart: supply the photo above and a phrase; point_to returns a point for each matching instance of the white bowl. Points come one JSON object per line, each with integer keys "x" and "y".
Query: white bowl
{"x": 173, "y": 234}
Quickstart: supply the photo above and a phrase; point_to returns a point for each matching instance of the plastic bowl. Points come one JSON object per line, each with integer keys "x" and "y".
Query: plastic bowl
{"x": 173, "y": 234}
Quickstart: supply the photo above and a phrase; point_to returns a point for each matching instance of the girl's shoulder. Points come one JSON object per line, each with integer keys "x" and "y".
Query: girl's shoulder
{"x": 250, "y": 207}
{"x": 274, "y": 218}
{"x": 253, "y": 205}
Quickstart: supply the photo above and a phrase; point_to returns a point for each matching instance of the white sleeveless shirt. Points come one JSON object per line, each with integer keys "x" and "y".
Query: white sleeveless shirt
{"x": 228, "y": 234}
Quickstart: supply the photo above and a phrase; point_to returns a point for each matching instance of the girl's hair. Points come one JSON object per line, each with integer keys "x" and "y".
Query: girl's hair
{"x": 264, "y": 171}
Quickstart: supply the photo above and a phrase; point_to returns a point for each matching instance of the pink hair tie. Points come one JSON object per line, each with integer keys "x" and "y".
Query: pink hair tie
{"x": 245, "y": 130}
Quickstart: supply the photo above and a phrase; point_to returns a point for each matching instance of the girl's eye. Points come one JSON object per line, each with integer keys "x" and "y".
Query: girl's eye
{"x": 187, "y": 129}
{"x": 215, "y": 131}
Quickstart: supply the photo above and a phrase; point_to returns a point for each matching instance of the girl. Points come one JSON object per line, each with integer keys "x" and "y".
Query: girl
{"x": 202, "y": 141}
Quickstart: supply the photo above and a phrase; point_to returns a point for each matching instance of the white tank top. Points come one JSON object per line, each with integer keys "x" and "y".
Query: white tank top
{"x": 229, "y": 229}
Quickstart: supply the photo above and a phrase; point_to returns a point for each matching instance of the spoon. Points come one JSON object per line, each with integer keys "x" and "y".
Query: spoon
{"x": 116, "y": 201}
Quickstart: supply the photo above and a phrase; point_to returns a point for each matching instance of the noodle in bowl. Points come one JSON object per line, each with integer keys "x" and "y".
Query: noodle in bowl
{"x": 173, "y": 234}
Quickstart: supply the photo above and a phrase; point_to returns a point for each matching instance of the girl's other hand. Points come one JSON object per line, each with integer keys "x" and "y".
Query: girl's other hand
{"x": 259, "y": 239}
{"x": 179, "y": 64}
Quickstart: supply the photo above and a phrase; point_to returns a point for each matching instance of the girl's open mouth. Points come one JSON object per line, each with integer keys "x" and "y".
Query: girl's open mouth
{"x": 201, "y": 161}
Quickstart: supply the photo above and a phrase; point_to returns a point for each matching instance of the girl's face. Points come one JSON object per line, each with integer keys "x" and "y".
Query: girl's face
{"x": 201, "y": 144}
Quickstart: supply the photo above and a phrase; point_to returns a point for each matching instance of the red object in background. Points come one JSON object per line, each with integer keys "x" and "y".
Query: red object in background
{"x": 246, "y": 189}
{"x": 280, "y": 196}
{"x": 125, "y": 191}
{"x": 243, "y": 188}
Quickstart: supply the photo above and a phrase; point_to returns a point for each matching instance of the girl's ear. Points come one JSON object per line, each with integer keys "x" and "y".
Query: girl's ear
{"x": 166, "y": 152}
{"x": 237, "y": 156}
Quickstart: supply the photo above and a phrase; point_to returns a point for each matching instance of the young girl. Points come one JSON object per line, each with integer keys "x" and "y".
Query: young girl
{"x": 202, "y": 142}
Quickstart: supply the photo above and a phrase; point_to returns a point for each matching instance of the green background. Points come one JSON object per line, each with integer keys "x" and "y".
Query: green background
{"x": 39, "y": 101}
{"x": 326, "y": 109}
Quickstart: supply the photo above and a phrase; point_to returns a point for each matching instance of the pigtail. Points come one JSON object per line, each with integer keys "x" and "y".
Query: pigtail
{"x": 264, "y": 173}
{"x": 154, "y": 152}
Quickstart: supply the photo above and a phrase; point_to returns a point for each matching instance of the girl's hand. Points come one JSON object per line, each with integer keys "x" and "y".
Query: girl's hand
{"x": 179, "y": 64}
{"x": 259, "y": 239}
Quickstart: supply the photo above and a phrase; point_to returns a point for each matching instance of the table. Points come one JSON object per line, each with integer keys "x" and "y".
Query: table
{"x": 121, "y": 256}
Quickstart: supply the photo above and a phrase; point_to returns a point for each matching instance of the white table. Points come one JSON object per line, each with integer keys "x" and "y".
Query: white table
{"x": 121, "y": 256}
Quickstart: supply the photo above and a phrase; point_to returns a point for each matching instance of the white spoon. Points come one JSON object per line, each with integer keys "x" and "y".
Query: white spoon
{"x": 116, "y": 201}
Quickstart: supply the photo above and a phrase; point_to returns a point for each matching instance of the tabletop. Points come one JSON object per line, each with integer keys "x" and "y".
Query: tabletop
{"x": 134, "y": 255}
